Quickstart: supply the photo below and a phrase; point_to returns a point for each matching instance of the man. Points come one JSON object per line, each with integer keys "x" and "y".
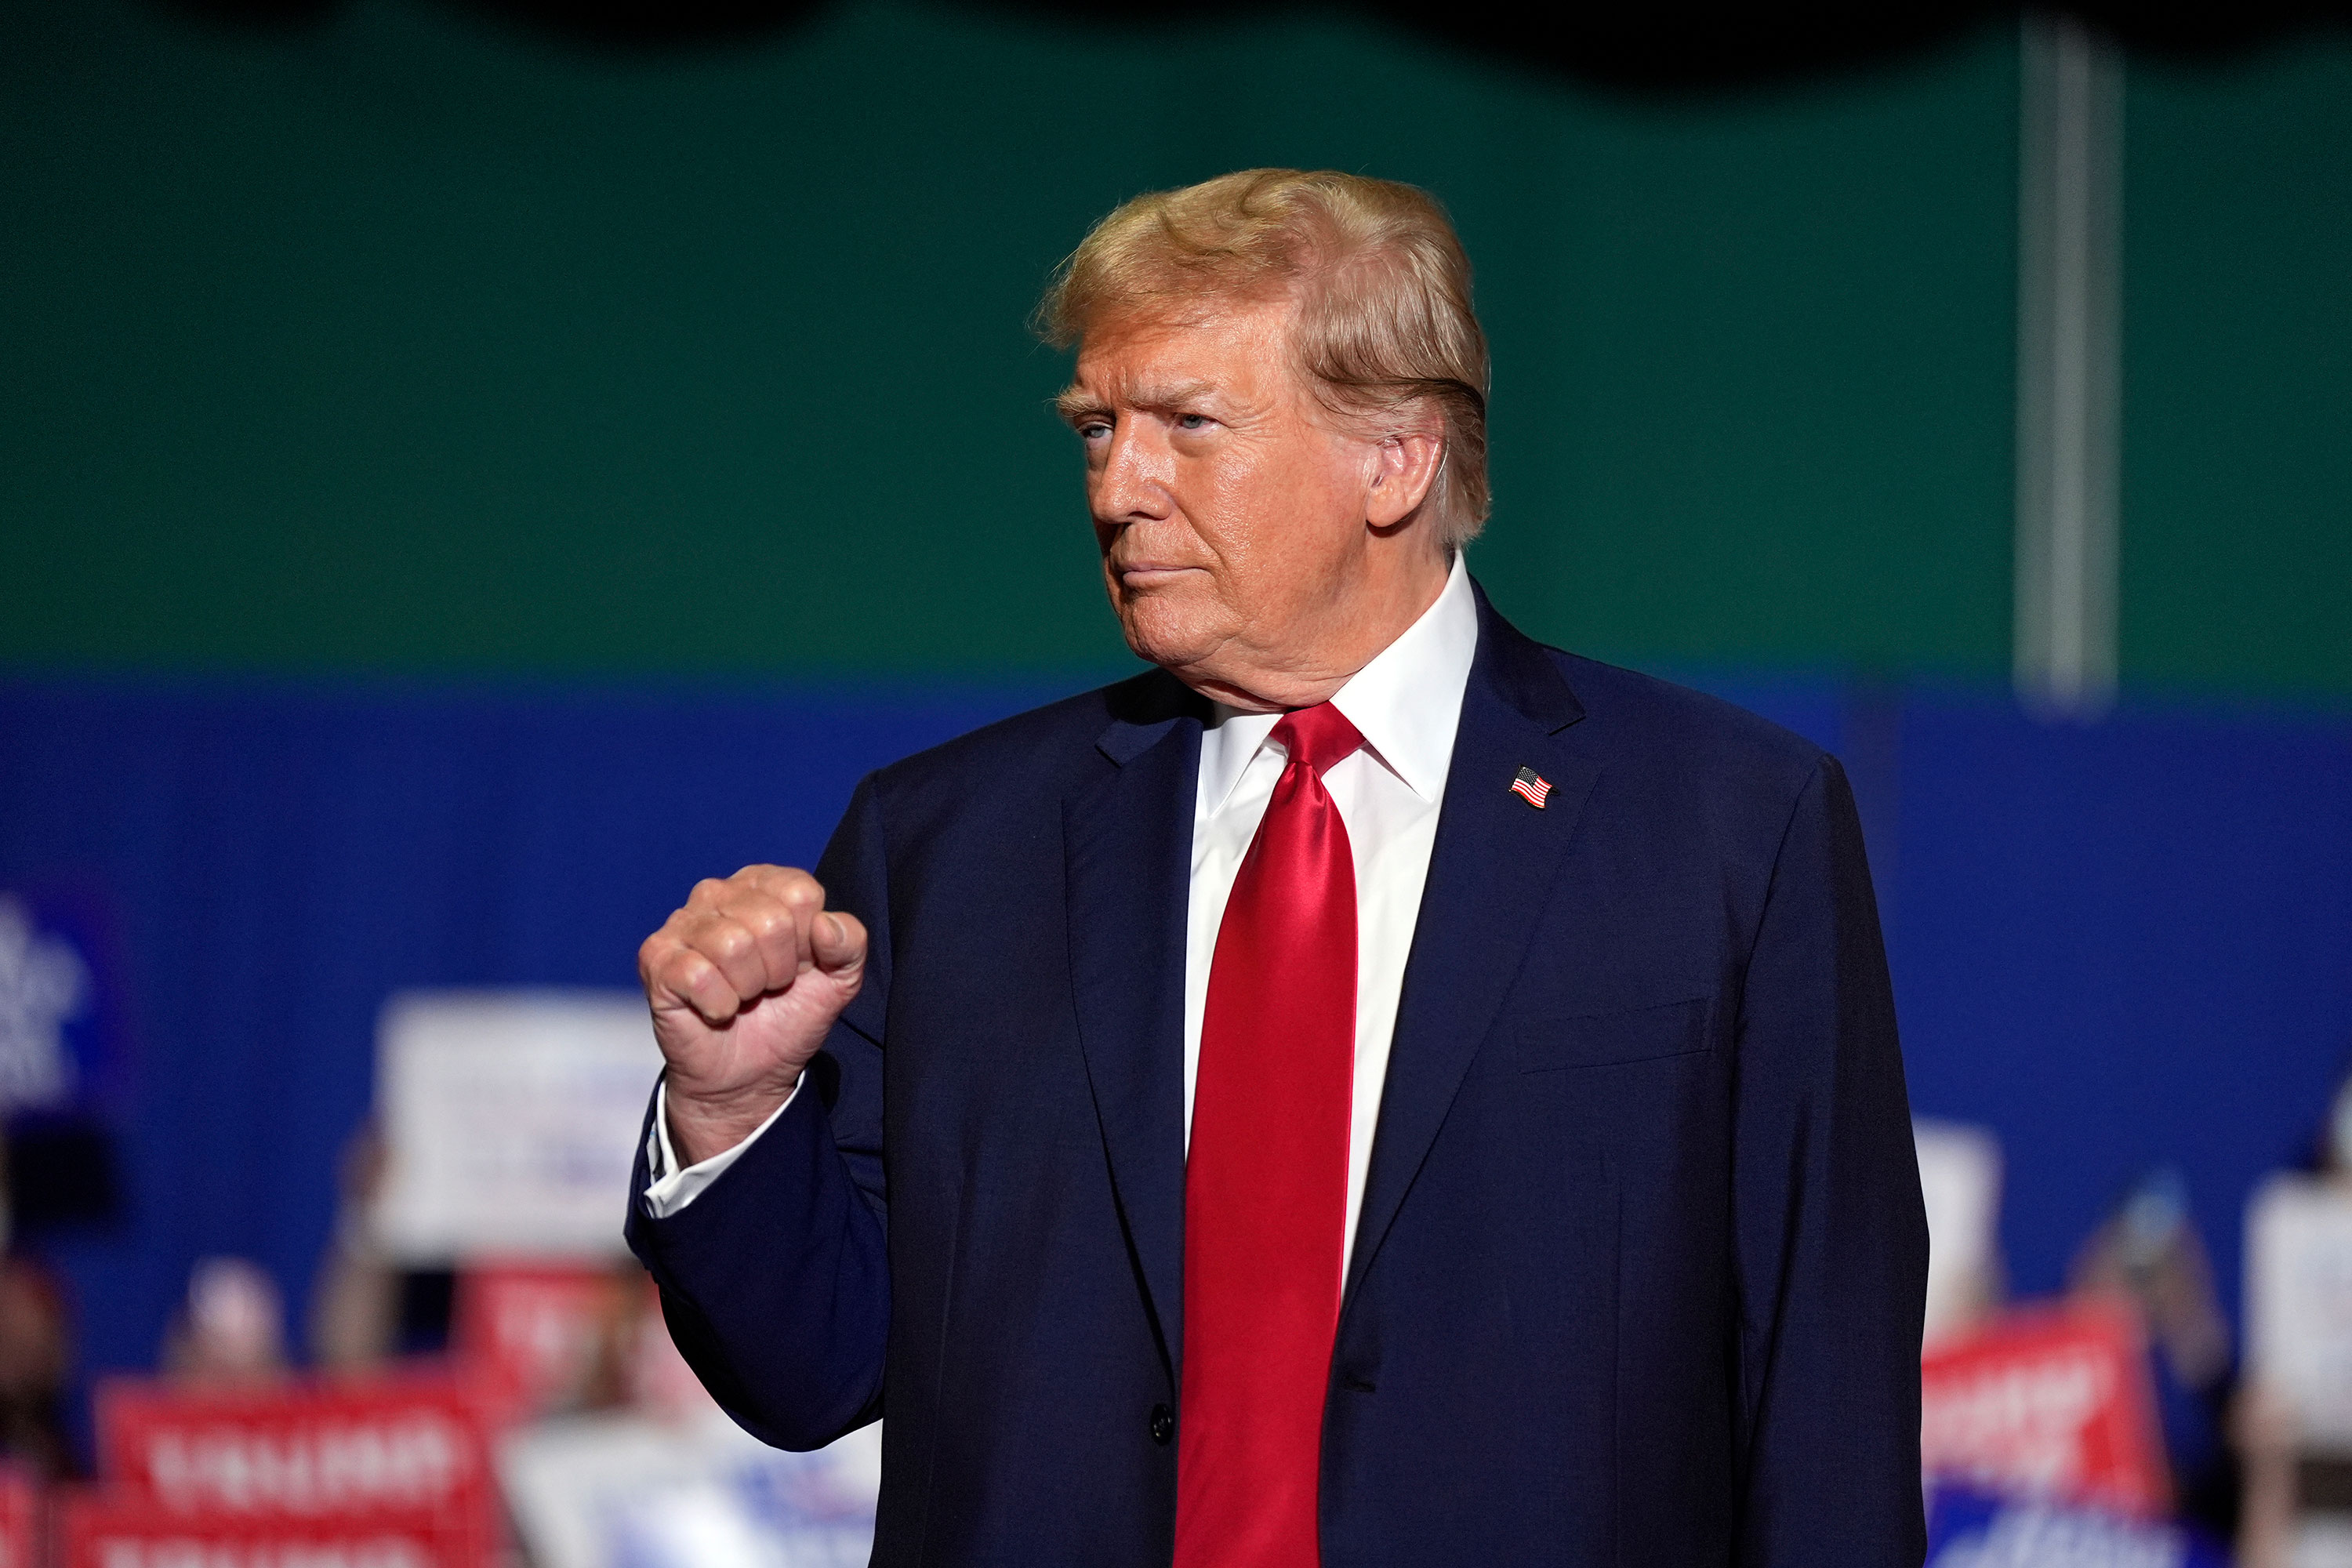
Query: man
{"x": 1370, "y": 1090}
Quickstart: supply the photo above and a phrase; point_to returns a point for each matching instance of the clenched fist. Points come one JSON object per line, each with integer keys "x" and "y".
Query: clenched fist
{"x": 745, "y": 981}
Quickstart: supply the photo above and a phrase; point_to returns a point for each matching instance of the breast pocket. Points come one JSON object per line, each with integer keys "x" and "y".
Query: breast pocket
{"x": 1609, "y": 1039}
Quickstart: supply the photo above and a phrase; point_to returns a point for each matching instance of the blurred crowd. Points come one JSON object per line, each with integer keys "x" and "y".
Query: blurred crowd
{"x": 2233, "y": 1460}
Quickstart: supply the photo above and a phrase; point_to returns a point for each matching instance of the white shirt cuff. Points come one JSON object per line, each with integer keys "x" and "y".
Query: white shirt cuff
{"x": 671, "y": 1188}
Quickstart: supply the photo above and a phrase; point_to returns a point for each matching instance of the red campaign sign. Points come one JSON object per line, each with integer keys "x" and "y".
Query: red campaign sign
{"x": 112, "y": 1529}
{"x": 536, "y": 1328}
{"x": 2051, "y": 1403}
{"x": 407, "y": 1451}
{"x": 20, "y": 1517}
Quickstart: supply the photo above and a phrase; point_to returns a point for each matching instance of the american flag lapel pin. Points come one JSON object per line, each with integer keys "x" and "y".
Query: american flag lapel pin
{"x": 1531, "y": 786}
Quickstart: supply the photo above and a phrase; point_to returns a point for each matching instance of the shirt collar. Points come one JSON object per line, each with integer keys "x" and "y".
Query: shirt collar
{"x": 1406, "y": 703}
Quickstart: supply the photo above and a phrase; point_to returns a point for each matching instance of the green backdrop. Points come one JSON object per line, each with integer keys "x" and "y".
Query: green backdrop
{"x": 405, "y": 344}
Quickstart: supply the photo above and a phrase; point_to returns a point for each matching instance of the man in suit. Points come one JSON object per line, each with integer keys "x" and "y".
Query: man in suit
{"x": 1372, "y": 1090}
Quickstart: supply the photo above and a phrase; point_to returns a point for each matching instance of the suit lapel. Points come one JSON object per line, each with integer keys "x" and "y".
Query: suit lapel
{"x": 1490, "y": 873}
{"x": 1127, "y": 840}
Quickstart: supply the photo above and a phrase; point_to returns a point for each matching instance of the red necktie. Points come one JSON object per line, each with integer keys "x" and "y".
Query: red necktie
{"x": 1265, "y": 1182}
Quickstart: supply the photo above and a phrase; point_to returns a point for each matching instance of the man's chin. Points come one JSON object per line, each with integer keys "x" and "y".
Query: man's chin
{"x": 1175, "y": 643}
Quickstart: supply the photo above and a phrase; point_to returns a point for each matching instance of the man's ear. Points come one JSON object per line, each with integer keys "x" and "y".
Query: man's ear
{"x": 1405, "y": 466}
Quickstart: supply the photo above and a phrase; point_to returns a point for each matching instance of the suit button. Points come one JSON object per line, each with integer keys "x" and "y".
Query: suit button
{"x": 1163, "y": 1424}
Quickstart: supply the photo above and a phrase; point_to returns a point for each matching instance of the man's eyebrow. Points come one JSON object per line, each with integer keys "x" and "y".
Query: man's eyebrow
{"x": 1174, "y": 394}
{"x": 1074, "y": 403}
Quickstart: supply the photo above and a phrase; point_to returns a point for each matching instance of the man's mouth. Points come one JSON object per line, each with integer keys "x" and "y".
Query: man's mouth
{"x": 1149, "y": 574}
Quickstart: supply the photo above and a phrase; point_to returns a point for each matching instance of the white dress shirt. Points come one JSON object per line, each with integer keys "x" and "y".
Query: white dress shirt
{"x": 1406, "y": 703}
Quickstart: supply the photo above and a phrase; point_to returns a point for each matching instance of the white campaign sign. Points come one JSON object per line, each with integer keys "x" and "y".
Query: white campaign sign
{"x": 2299, "y": 1301}
{"x": 1960, "y": 1179}
{"x": 510, "y": 1118}
{"x": 625, "y": 1491}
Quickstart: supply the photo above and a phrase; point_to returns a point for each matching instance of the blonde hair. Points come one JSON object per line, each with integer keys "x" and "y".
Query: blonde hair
{"x": 1384, "y": 328}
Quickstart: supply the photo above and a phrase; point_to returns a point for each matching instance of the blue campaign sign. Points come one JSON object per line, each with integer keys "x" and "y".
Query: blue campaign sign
{"x": 61, "y": 1006}
{"x": 1968, "y": 1530}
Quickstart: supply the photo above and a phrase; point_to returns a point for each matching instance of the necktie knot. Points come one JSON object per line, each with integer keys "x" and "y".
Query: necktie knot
{"x": 1317, "y": 736}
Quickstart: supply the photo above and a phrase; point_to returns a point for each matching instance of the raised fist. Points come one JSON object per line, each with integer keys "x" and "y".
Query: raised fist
{"x": 745, "y": 981}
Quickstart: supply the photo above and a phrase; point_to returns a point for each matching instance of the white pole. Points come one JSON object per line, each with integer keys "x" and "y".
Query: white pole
{"x": 2070, "y": 195}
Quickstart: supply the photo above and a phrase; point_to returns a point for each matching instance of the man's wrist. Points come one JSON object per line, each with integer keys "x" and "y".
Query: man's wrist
{"x": 704, "y": 1127}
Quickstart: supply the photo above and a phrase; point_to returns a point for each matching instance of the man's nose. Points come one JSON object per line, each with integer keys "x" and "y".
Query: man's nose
{"x": 1133, "y": 482}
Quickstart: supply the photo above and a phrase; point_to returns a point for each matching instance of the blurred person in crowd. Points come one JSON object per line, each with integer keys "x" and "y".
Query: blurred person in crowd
{"x": 606, "y": 1380}
{"x": 2150, "y": 1257}
{"x": 36, "y": 1359}
{"x": 231, "y": 1332}
{"x": 605, "y": 1375}
{"x": 2263, "y": 1430}
{"x": 1372, "y": 1088}
{"x": 366, "y": 1308}
{"x": 355, "y": 1302}
{"x": 2285, "y": 1477}
{"x": 629, "y": 1361}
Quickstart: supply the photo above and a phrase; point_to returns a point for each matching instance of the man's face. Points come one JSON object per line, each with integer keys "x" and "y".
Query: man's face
{"x": 1230, "y": 514}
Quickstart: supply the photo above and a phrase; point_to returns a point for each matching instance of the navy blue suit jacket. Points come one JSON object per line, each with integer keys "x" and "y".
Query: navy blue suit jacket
{"x": 1641, "y": 1264}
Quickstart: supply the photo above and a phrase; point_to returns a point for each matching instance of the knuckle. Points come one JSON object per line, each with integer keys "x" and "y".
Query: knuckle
{"x": 790, "y": 882}
{"x": 707, "y": 985}
{"x": 767, "y": 919}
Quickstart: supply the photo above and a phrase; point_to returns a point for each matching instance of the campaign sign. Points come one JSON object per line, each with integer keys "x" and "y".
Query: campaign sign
{"x": 2052, "y": 1404}
{"x": 510, "y": 1118}
{"x": 110, "y": 1528}
{"x": 406, "y": 1450}
{"x": 1969, "y": 1529}
{"x": 61, "y": 1003}
{"x": 2299, "y": 1301}
{"x": 620, "y": 1490}
{"x": 535, "y": 1328}
{"x": 1960, "y": 1180}
{"x": 20, "y": 1518}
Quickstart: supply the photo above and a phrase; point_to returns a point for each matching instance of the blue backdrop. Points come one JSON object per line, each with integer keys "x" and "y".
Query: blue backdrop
{"x": 2118, "y": 945}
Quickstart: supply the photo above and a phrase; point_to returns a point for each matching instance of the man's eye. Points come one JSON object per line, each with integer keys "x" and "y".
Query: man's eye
{"x": 1193, "y": 422}
{"x": 1093, "y": 430}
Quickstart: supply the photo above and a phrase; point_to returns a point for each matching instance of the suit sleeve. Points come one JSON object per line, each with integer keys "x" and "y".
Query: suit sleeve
{"x": 1831, "y": 1232}
{"x": 775, "y": 1281}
